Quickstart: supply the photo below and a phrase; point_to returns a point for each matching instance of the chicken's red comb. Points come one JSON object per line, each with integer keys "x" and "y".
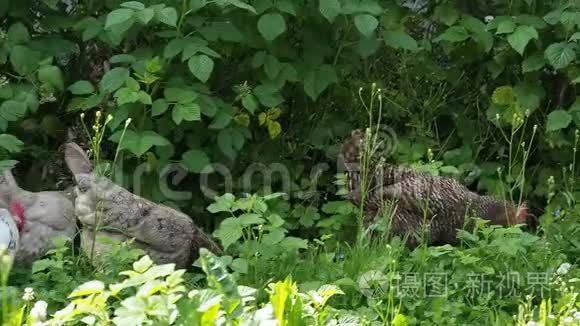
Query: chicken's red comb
{"x": 17, "y": 211}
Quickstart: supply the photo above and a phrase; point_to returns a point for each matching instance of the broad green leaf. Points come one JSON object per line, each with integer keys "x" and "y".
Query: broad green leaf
{"x": 248, "y": 219}
{"x": 10, "y": 143}
{"x": 271, "y": 26}
{"x": 118, "y": 16}
{"x": 114, "y": 79}
{"x": 179, "y": 95}
{"x": 503, "y": 95}
{"x": 167, "y": 16}
{"x": 558, "y": 119}
{"x": 18, "y": 33}
{"x": 81, "y": 87}
{"x": 533, "y": 63}
{"x": 221, "y": 120}
{"x": 329, "y": 9}
{"x": 173, "y": 48}
{"x": 400, "y": 40}
{"x": 240, "y": 265}
{"x": 195, "y": 5}
{"x": 446, "y": 13}
{"x": 201, "y": 66}
{"x": 249, "y": 102}
{"x": 453, "y": 34}
{"x": 24, "y": 60}
{"x": 52, "y": 76}
{"x": 241, "y": 5}
{"x": 159, "y": 107}
{"x": 139, "y": 143}
{"x": 12, "y": 110}
{"x": 561, "y": 54}
{"x": 196, "y": 161}
{"x": 135, "y": 5}
{"x": 318, "y": 79}
{"x": 366, "y": 24}
{"x": 293, "y": 243}
{"x": 228, "y": 232}
{"x": 574, "y": 37}
{"x": 122, "y": 58}
{"x": 186, "y": 111}
{"x": 274, "y": 237}
{"x": 145, "y": 16}
{"x": 521, "y": 37}
{"x": 286, "y": 6}
{"x": 506, "y": 27}
{"x": 529, "y": 95}
{"x": 272, "y": 66}
{"x": 226, "y": 143}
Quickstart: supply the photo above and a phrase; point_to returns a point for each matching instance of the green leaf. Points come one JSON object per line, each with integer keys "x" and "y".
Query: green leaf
{"x": 533, "y": 63}
{"x": 195, "y": 5}
{"x": 24, "y": 60}
{"x": 454, "y": 34}
{"x": 145, "y": 16}
{"x": 400, "y": 40}
{"x": 196, "y": 161}
{"x": 18, "y": 33}
{"x": 159, "y": 107}
{"x": 521, "y": 37}
{"x": 506, "y": 27}
{"x": 366, "y": 24}
{"x": 173, "y": 48}
{"x": 293, "y": 243}
{"x": 240, "y": 265}
{"x": 136, "y": 5}
{"x": 272, "y": 66}
{"x": 186, "y": 111}
{"x": 558, "y": 119}
{"x": 228, "y": 232}
{"x": 446, "y": 14}
{"x": 271, "y": 26}
{"x": 81, "y": 87}
{"x": 318, "y": 79}
{"x": 10, "y": 143}
{"x": 274, "y": 237}
{"x": 12, "y": 110}
{"x": 179, "y": 95}
{"x": 561, "y": 54}
{"x": 51, "y": 75}
{"x": 248, "y": 219}
{"x": 118, "y": 16}
{"x": 114, "y": 79}
{"x": 241, "y": 5}
{"x": 249, "y": 102}
{"x": 329, "y": 9}
{"x": 167, "y": 16}
{"x": 139, "y": 143}
{"x": 201, "y": 66}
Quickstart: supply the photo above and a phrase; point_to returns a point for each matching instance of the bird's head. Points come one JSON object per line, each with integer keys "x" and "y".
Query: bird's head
{"x": 18, "y": 212}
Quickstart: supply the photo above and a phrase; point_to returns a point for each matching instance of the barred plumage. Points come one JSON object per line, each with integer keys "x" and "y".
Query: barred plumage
{"x": 438, "y": 203}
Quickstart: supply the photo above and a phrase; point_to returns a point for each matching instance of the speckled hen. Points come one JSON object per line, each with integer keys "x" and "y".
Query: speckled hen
{"x": 436, "y": 204}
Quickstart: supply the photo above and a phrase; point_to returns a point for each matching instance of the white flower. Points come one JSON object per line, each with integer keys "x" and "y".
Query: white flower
{"x": 551, "y": 316}
{"x": 563, "y": 269}
{"x": 487, "y": 19}
{"x": 532, "y": 323}
{"x": 577, "y": 315}
{"x": 38, "y": 312}
{"x": 568, "y": 320}
{"x": 28, "y": 294}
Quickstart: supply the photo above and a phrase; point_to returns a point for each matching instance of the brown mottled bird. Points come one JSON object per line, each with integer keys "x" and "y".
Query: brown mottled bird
{"x": 441, "y": 202}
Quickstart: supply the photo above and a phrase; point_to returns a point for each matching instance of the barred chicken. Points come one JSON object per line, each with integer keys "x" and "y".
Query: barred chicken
{"x": 40, "y": 217}
{"x": 108, "y": 210}
{"x": 437, "y": 205}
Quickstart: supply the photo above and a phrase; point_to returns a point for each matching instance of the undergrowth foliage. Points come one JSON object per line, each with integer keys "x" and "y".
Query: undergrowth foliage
{"x": 243, "y": 105}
